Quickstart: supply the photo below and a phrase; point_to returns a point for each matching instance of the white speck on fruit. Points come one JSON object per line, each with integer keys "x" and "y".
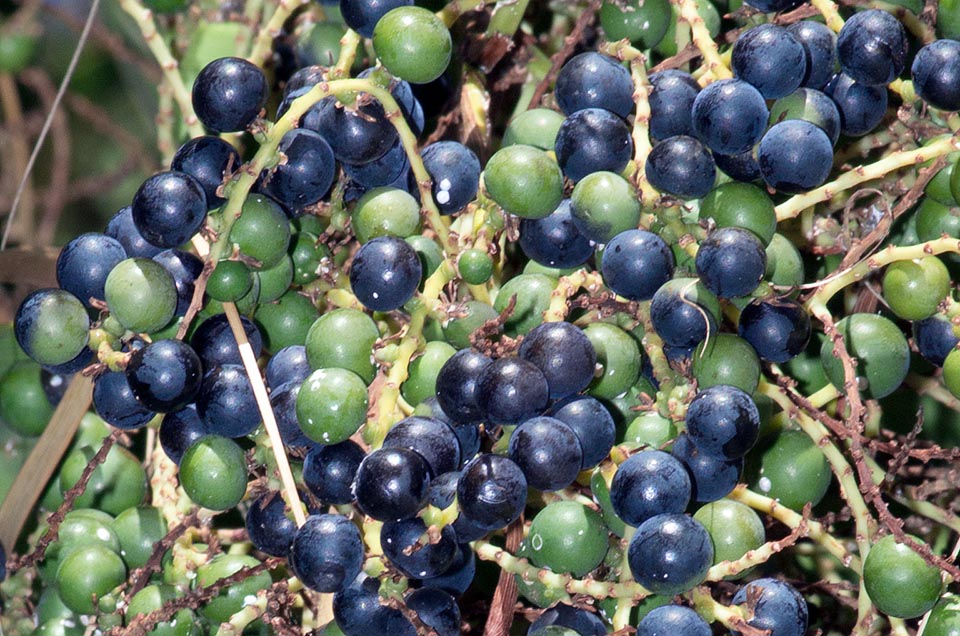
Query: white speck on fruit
{"x": 249, "y": 599}
{"x": 536, "y": 542}
{"x": 376, "y": 295}
{"x": 443, "y": 196}
{"x": 765, "y": 484}
{"x": 103, "y": 534}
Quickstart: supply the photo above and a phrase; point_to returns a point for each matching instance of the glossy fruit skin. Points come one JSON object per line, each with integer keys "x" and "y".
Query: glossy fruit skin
{"x": 537, "y": 127}
{"x": 392, "y": 483}
{"x": 643, "y": 23}
{"x": 648, "y": 484}
{"x": 216, "y": 345}
{"x": 207, "y": 159}
{"x": 327, "y": 553}
{"x": 213, "y": 472}
{"x": 524, "y": 181}
{"x": 683, "y": 311}
{"x": 115, "y": 402}
{"x": 226, "y": 402}
{"x": 603, "y": 204}
{"x": 619, "y": 356}
{"x": 385, "y": 273}
{"x": 809, "y": 105}
{"x": 179, "y": 430}
{"x": 936, "y": 73}
{"x": 141, "y": 295}
{"x": 594, "y": 80}
{"x": 591, "y": 140}
{"x": 711, "y": 478}
{"x": 741, "y": 167}
{"x": 51, "y": 326}
{"x": 152, "y": 598}
{"x": 795, "y": 156}
{"x": 329, "y": 471}
{"x": 934, "y": 339}
{"x": 726, "y": 359}
{"x": 944, "y": 618}
{"x": 547, "y": 451}
{"x": 899, "y": 581}
{"x": 731, "y": 262}
{"x": 872, "y": 47}
{"x": 491, "y": 491}
{"x": 512, "y": 390}
{"x": 228, "y": 94}
{"x": 404, "y": 543}
{"x": 358, "y": 611}
{"x": 723, "y": 421}
{"x": 331, "y": 405}
{"x": 820, "y": 47}
{"x": 308, "y": 172}
{"x": 455, "y": 171}
{"x": 122, "y": 228}
{"x": 184, "y": 268}
{"x": 533, "y": 292}
{"x": 385, "y": 211}
{"x": 681, "y": 166}
{"x": 729, "y": 116}
{"x": 85, "y": 262}
{"x": 670, "y": 553}
{"x": 566, "y": 536}
{"x": 232, "y": 598}
{"x": 671, "y": 100}
{"x": 861, "y": 107}
{"x": 437, "y": 609}
{"x": 457, "y": 385}
{"x": 771, "y": 59}
{"x": 563, "y": 354}
{"x": 268, "y": 528}
{"x": 413, "y": 44}
{"x": 139, "y": 529}
{"x": 165, "y": 375}
{"x": 86, "y": 572}
{"x": 565, "y": 619}
{"x": 775, "y": 605}
{"x": 673, "y": 620}
{"x": 734, "y": 528}
{"x": 778, "y": 329}
{"x": 421, "y": 383}
{"x": 592, "y": 423}
{"x": 881, "y": 351}
{"x": 913, "y": 289}
{"x": 169, "y": 208}
{"x": 433, "y": 439}
{"x": 362, "y": 16}
{"x": 790, "y": 469}
{"x": 356, "y": 135}
{"x": 741, "y": 205}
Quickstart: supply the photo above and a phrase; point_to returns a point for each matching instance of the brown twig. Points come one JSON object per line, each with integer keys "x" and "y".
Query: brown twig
{"x": 505, "y": 596}
{"x": 558, "y": 59}
{"x": 55, "y": 519}
{"x": 141, "y": 576}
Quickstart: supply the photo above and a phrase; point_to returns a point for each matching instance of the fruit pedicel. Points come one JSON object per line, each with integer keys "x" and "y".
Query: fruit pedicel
{"x": 637, "y": 345}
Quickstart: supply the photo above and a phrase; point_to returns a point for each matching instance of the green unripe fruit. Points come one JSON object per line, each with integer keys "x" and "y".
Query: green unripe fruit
{"x": 275, "y": 281}
{"x": 233, "y": 598}
{"x": 619, "y": 357}
{"x": 475, "y": 266}
{"x": 726, "y": 359}
{"x": 421, "y": 381}
{"x": 945, "y": 617}
{"x": 604, "y": 204}
{"x": 913, "y": 289}
{"x": 524, "y": 181}
{"x": 117, "y": 484}
{"x": 286, "y": 321}
{"x": 567, "y": 537}
{"x": 900, "y": 583}
{"x": 213, "y": 472}
{"x": 537, "y": 127}
{"x": 23, "y": 403}
{"x": 474, "y": 314}
{"x": 152, "y": 598}
{"x": 327, "y": 347}
{"x": 229, "y": 281}
{"x": 413, "y": 44}
{"x": 16, "y": 51}
{"x": 53, "y": 326}
{"x": 533, "y": 297}
{"x": 734, "y": 528}
{"x": 331, "y": 405}
{"x": 650, "y": 430}
{"x": 86, "y": 573}
{"x": 141, "y": 295}
{"x": 951, "y": 372}
{"x": 881, "y": 352}
{"x": 262, "y": 231}
{"x": 138, "y": 530}
{"x": 385, "y": 212}
{"x": 643, "y": 22}
{"x": 791, "y": 470}
{"x": 741, "y": 205}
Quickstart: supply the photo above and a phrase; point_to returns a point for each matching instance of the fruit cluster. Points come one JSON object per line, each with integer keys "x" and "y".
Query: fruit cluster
{"x": 602, "y": 363}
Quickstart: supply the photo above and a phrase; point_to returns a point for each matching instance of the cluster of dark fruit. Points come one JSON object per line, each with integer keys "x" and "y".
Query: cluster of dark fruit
{"x": 485, "y": 429}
